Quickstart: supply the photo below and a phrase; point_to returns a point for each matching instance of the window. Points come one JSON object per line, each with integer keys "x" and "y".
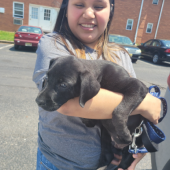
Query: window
{"x": 156, "y": 44}
{"x": 148, "y": 43}
{"x": 129, "y": 24}
{"x": 149, "y": 28}
{"x": 166, "y": 43}
{"x": 155, "y": 2}
{"x": 17, "y": 21}
{"x": 30, "y": 29}
{"x": 120, "y": 39}
{"x": 47, "y": 13}
{"x": 34, "y": 13}
{"x": 18, "y": 10}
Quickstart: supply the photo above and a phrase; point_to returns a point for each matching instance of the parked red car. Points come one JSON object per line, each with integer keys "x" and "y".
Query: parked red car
{"x": 27, "y": 36}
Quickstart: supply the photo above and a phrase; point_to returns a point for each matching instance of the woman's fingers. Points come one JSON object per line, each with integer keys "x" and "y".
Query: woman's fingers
{"x": 117, "y": 159}
{"x": 137, "y": 157}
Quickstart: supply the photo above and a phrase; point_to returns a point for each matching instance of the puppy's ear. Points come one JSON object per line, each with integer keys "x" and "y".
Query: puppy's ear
{"x": 89, "y": 88}
{"x": 52, "y": 62}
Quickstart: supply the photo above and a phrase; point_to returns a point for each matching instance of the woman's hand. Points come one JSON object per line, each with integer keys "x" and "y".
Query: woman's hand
{"x": 137, "y": 157}
{"x": 150, "y": 108}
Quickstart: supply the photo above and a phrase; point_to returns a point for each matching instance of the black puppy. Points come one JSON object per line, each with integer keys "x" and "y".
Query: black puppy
{"x": 70, "y": 77}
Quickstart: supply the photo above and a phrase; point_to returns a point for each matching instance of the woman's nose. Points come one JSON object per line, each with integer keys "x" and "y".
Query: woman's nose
{"x": 89, "y": 14}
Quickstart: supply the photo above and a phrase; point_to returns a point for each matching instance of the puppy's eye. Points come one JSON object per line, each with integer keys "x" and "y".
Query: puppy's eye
{"x": 63, "y": 85}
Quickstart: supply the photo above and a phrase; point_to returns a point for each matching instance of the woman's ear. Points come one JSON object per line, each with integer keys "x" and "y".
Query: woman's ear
{"x": 89, "y": 87}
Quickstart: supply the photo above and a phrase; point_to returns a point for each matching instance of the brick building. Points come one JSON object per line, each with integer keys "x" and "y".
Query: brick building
{"x": 151, "y": 16}
{"x": 140, "y": 20}
{"x": 41, "y": 13}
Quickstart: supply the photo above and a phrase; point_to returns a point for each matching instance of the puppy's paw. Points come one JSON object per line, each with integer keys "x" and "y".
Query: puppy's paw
{"x": 125, "y": 139}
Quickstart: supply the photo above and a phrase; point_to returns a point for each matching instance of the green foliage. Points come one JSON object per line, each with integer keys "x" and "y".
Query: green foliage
{"x": 8, "y": 36}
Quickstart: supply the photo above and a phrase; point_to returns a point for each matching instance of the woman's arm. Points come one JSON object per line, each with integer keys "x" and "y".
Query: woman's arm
{"x": 102, "y": 105}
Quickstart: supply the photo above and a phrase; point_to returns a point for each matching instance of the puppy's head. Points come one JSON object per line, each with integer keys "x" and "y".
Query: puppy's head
{"x": 67, "y": 78}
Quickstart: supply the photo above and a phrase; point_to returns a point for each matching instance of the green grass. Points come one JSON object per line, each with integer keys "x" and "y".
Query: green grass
{"x": 8, "y": 36}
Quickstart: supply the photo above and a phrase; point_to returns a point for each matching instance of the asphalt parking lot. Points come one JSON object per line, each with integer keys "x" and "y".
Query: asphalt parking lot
{"x": 19, "y": 113}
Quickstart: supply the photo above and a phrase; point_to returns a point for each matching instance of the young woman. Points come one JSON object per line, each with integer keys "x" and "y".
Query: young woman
{"x": 64, "y": 142}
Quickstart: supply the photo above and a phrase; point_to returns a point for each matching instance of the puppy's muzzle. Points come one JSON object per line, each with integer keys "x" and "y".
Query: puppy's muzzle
{"x": 40, "y": 102}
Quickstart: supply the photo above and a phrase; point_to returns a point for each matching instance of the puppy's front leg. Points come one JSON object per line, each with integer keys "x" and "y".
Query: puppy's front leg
{"x": 134, "y": 92}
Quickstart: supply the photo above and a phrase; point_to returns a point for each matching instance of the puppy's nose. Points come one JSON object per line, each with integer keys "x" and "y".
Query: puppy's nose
{"x": 40, "y": 102}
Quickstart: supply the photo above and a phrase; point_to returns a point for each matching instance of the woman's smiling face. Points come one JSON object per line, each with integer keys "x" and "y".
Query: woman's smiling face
{"x": 88, "y": 19}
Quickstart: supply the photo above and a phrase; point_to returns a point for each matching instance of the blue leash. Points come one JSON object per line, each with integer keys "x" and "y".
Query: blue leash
{"x": 151, "y": 134}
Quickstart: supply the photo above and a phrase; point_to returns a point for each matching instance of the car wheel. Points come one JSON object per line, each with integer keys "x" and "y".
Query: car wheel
{"x": 16, "y": 47}
{"x": 134, "y": 60}
{"x": 156, "y": 59}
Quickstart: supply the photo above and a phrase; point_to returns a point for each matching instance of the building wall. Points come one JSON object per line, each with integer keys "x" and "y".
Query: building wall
{"x": 150, "y": 14}
{"x": 124, "y": 10}
{"x": 130, "y": 9}
{"x": 6, "y": 19}
{"x": 164, "y": 27}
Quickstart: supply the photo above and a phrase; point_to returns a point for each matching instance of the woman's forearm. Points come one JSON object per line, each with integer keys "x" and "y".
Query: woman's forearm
{"x": 102, "y": 105}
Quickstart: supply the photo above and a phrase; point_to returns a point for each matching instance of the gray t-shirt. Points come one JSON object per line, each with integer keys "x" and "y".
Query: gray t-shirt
{"x": 65, "y": 141}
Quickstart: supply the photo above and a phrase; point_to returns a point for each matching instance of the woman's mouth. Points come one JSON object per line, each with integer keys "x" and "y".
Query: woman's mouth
{"x": 89, "y": 27}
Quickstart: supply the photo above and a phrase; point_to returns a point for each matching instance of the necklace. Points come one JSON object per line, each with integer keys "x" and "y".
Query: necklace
{"x": 90, "y": 56}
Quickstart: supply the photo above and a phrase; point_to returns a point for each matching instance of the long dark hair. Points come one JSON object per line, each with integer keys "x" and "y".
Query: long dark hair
{"x": 103, "y": 47}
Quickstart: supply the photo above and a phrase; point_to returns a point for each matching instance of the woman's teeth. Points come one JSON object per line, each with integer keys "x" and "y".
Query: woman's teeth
{"x": 87, "y": 26}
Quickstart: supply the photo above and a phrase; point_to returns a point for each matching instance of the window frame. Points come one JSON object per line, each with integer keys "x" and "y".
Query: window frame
{"x": 127, "y": 24}
{"x": 14, "y": 9}
{"x": 147, "y": 28}
{"x": 155, "y": 4}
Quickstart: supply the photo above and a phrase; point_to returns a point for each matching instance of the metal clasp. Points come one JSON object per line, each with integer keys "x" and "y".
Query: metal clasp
{"x": 137, "y": 133}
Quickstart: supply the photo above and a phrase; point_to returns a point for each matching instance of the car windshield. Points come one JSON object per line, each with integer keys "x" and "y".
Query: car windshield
{"x": 166, "y": 43}
{"x": 120, "y": 40}
{"x": 30, "y": 29}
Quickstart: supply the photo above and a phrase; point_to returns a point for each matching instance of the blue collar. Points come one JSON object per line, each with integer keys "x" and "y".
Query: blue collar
{"x": 151, "y": 134}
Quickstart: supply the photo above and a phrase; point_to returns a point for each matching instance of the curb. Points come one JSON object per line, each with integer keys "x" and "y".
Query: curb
{"x": 8, "y": 42}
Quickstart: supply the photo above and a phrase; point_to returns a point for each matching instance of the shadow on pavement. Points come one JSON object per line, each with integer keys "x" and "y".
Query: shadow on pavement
{"x": 24, "y": 49}
{"x": 148, "y": 60}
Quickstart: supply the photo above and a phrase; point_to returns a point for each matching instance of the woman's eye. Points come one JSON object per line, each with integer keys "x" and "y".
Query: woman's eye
{"x": 63, "y": 85}
{"x": 98, "y": 7}
{"x": 79, "y": 5}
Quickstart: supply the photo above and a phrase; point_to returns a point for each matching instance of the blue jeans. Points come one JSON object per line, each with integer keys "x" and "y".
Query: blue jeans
{"x": 43, "y": 163}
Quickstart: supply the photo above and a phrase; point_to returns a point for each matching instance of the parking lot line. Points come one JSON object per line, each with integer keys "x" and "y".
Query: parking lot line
{"x": 6, "y": 46}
